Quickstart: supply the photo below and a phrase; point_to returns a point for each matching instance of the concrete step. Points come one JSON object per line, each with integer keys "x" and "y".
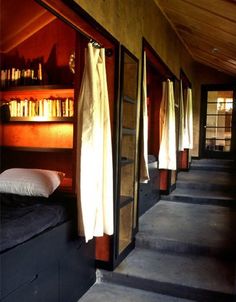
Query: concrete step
{"x": 210, "y": 180}
{"x": 212, "y": 168}
{"x": 208, "y": 186}
{"x": 188, "y": 228}
{"x": 212, "y": 197}
{"x": 106, "y": 292}
{"x": 213, "y": 165}
{"x": 214, "y": 177}
{"x": 189, "y": 277}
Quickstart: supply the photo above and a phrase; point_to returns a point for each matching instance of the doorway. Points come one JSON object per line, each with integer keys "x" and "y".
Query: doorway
{"x": 218, "y": 118}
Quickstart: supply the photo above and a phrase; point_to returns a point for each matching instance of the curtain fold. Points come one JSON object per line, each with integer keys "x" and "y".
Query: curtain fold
{"x": 144, "y": 173}
{"x": 94, "y": 171}
{"x": 167, "y": 151}
{"x": 181, "y": 119}
{"x": 188, "y": 122}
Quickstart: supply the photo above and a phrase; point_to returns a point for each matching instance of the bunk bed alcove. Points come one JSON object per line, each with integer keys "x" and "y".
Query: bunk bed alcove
{"x": 161, "y": 181}
{"x": 149, "y": 193}
{"x": 54, "y": 263}
{"x": 183, "y": 156}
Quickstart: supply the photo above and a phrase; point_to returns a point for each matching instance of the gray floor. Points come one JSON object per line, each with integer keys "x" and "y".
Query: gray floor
{"x": 185, "y": 247}
{"x": 207, "y": 226}
{"x": 195, "y": 271}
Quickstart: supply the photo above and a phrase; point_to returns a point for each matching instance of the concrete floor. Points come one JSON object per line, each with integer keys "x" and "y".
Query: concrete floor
{"x": 205, "y": 227}
{"x": 185, "y": 247}
{"x": 105, "y": 292}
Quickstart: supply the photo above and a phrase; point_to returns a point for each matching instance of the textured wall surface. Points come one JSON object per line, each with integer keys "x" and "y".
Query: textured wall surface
{"x": 131, "y": 20}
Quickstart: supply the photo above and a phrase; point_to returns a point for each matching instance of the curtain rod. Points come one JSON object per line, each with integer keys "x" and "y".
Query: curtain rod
{"x": 108, "y": 51}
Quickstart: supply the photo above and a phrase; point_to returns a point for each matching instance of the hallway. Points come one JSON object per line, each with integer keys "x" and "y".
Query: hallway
{"x": 185, "y": 248}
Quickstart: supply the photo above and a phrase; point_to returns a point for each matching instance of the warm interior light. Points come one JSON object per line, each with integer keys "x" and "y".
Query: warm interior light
{"x": 224, "y": 104}
{"x": 220, "y": 104}
{"x": 228, "y": 104}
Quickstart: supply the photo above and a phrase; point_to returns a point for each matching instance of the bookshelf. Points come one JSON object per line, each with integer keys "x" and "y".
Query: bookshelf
{"x": 37, "y": 125}
{"x": 39, "y": 103}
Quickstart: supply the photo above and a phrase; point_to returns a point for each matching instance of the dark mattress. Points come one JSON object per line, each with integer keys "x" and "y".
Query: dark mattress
{"x": 24, "y": 217}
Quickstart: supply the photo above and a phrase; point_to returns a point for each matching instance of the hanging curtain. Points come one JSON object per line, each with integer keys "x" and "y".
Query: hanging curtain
{"x": 144, "y": 174}
{"x": 167, "y": 151}
{"x": 188, "y": 122}
{"x": 94, "y": 159}
{"x": 181, "y": 118}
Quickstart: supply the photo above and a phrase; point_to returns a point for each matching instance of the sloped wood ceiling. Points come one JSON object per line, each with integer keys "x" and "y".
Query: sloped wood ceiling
{"x": 19, "y": 20}
{"x": 207, "y": 28}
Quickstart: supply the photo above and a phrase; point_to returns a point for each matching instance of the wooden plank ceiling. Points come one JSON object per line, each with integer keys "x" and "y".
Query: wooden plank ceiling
{"x": 207, "y": 28}
{"x": 19, "y": 20}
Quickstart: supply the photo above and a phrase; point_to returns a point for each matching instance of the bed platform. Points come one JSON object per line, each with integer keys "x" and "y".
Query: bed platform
{"x": 54, "y": 265}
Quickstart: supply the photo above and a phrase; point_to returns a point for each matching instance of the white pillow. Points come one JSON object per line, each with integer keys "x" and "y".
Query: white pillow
{"x": 30, "y": 182}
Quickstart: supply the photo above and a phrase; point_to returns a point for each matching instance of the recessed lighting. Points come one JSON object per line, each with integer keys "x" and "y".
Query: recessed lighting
{"x": 215, "y": 50}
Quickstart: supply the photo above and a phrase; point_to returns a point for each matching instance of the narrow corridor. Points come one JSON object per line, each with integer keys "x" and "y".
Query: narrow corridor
{"x": 185, "y": 248}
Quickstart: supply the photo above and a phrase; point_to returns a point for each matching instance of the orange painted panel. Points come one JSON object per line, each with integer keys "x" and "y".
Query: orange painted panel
{"x": 41, "y": 135}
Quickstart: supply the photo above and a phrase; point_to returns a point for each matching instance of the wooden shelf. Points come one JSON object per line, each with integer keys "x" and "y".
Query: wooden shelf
{"x": 41, "y": 119}
{"x": 123, "y": 244}
{"x": 124, "y": 200}
{"x": 129, "y": 99}
{"x": 34, "y": 149}
{"x": 128, "y": 131}
{"x": 127, "y": 161}
{"x": 36, "y": 87}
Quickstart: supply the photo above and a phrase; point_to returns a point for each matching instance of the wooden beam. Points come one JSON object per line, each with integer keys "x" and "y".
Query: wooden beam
{"x": 214, "y": 65}
{"x": 199, "y": 15}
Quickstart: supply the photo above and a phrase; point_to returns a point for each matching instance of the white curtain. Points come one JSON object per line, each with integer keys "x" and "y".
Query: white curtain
{"x": 94, "y": 159}
{"x": 181, "y": 119}
{"x": 144, "y": 174}
{"x": 167, "y": 151}
{"x": 188, "y": 121}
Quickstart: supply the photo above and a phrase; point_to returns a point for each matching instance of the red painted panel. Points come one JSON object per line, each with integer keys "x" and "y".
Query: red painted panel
{"x": 154, "y": 93}
{"x": 59, "y": 161}
{"x": 103, "y": 248}
{"x": 51, "y": 46}
{"x": 183, "y": 162}
{"x": 164, "y": 179}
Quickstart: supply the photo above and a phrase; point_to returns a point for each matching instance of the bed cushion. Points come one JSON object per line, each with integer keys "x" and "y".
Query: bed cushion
{"x": 23, "y": 217}
{"x": 30, "y": 182}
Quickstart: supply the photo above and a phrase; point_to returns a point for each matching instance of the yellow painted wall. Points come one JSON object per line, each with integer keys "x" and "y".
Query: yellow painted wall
{"x": 131, "y": 20}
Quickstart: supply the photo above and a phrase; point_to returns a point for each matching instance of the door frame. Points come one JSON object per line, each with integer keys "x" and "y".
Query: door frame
{"x": 213, "y": 154}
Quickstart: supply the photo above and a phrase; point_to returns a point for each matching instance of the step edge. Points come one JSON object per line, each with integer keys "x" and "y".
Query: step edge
{"x": 184, "y": 248}
{"x": 168, "y": 288}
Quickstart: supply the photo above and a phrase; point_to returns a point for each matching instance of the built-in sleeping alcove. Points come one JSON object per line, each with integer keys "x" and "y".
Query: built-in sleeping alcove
{"x": 42, "y": 62}
{"x": 183, "y": 155}
{"x": 161, "y": 181}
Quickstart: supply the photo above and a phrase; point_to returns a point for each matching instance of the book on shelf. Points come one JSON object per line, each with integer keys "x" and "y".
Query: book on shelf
{"x": 42, "y": 108}
{"x": 25, "y": 76}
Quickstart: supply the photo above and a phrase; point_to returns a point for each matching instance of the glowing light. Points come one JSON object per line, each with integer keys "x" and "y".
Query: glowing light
{"x": 224, "y": 104}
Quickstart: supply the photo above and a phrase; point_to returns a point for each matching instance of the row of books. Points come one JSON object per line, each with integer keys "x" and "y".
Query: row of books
{"x": 16, "y": 77}
{"x": 41, "y": 108}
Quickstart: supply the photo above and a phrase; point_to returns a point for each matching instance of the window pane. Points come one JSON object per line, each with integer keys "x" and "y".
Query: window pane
{"x": 219, "y": 120}
{"x": 218, "y": 145}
